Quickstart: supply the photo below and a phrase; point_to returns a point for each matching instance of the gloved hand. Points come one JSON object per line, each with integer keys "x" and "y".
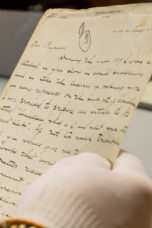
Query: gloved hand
{"x": 84, "y": 192}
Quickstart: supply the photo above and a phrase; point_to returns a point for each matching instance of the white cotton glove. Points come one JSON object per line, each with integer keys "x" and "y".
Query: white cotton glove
{"x": 84, "y": 192}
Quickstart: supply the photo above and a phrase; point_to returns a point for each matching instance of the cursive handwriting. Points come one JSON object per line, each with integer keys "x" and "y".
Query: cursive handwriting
{"x": 84, "y": 38}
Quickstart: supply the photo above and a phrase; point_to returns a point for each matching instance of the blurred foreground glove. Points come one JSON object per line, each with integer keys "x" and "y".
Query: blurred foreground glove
{"x": 84, "y": 192}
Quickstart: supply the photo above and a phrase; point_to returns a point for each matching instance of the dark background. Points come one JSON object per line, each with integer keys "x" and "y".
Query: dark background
{"x": 42, "y": 5}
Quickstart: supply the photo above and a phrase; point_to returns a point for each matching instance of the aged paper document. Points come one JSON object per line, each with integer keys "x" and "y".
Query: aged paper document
{"x": 74, "y": 89}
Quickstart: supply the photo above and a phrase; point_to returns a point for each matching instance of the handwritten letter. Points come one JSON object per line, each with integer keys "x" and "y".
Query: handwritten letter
{"x": 74, "y": 89}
